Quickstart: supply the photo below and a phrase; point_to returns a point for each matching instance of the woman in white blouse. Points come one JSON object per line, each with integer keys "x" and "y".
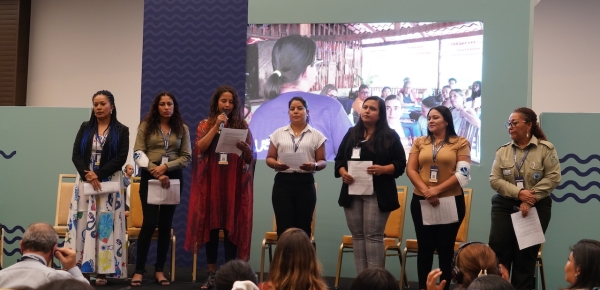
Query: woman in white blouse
{"x": 294, "y": 194}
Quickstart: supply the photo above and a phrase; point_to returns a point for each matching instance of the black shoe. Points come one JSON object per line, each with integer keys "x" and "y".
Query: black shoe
{"x": 163, "y": 282}
{"x": 210, "y": 281}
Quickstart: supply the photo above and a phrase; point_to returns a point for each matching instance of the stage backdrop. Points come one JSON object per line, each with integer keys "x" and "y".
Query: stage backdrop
{"x": 191, "y": 48}
{"x": 35, "y": 147}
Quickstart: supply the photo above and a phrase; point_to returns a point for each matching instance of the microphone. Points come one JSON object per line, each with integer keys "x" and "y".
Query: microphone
{"x": 222, "y": 125}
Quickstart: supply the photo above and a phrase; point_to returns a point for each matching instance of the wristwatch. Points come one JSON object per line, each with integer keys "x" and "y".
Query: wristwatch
{"x": 316, "y": 166}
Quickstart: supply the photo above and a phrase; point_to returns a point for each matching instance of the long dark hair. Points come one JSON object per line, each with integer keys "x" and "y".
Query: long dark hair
{"x": 152, "y": 119}
{"x": 476, "y": 94}
{"x": 450, "y": 132}
{"x": 236, "y": 116}
{"x": 92, "y": 126}
{"x": 290, "y": 57}
{"x": 585, "y": 257}
{"x": 530, "y": 116}
{"x": 381, "y": 139}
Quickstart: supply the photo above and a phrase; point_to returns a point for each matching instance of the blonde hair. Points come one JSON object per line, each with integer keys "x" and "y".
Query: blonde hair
{"x": 295, "y": 265}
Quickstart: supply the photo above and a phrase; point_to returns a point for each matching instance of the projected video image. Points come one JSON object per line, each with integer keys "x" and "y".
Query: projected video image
{"x": 413, "y": 66}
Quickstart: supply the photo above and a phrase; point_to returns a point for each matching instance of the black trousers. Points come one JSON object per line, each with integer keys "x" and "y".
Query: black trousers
{"x": 432, "y": 237}
{"x": 160, "y": 216}
{"x": 212, "y": 247}
{"x": 504, "y": 242}
{"x": 294, "y": 198}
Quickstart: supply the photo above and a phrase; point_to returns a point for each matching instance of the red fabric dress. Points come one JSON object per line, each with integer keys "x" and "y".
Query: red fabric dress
{"x": 221, "y": 196}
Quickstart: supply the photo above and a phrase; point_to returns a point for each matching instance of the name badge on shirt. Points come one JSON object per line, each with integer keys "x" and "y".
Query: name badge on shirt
{"x": 97, "y": 159}
{"x": 520, "y": 182}
{"x": 223, "y": 159}
{"x": 355, "y": 153}
{"x": 433, "y": 173}
{"x": 164, "y": 159}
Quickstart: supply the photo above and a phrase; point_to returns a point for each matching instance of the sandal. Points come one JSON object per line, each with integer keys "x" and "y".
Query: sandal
{"x": 163, "y": 282}
{"x": 100, "y": 282}
{"x": 210, "y": 281}
{"x": 136, "y": 283}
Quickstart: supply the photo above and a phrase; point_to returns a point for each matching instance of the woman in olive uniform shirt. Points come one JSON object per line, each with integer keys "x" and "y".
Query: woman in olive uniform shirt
{"x": 524, "y": 174}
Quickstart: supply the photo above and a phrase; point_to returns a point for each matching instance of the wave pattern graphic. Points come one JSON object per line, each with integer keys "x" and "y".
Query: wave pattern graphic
{"x": 575, "y": 197}
{"x": 563, "y": 185}
{"x": 12, "y": 241}
{"x": 191, "y": 47}
{"x": 14, "y": 229}
{"x": 11, "y": 253}
{"x": 578, "y": 159}
{"x": 578, "y": 172}
{"x": 8, "y": 156}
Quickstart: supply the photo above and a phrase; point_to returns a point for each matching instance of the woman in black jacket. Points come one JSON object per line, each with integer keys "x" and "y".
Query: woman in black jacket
{"x": 96, "y": 225}
{"x": 371, "y": 140}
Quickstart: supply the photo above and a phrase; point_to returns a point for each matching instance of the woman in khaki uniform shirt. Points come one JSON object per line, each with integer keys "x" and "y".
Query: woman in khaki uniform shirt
{"x": 450, "y": 149}
{"x": 524, "y": 174}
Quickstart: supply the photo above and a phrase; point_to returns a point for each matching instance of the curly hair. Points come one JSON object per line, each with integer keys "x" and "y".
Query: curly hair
{"x": 295, "y": 264}
{"x": 152, "y": 119}
{"x": 236, "y": 116}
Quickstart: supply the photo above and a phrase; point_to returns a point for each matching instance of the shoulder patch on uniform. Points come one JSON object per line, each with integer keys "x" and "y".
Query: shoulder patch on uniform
{"x": 504, "y": 145}
{"x": 547, "y": 144}
{"x": 553, "y": 158}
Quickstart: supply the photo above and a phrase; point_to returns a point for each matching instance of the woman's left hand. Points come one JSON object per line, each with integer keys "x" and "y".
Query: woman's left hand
{"x": 244, "y": 147}
{"x": 90, "y": 175}
{"x": 375, "y": 169}
{"x": 164, "y": 181}
{"x": 308, "y": 166}
{"x": 159, "y": 170}
{"x": 524, "y": 208}
{"x": 432, "y": 278}
{"x": 431, "y": 192}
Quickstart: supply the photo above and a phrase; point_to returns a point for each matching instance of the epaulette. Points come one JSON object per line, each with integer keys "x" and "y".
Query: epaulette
{"x": 504, "y": 145}
{"x": 547, "y": 144}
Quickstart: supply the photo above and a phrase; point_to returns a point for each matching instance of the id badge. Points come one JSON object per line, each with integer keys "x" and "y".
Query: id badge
{"x": 97, "y": 159}
{"x": 164, "y": 159}
{"x": 520, "y": 182}
{"x": 223, "y": 159}
{"x": 433, "y": 173}
{"x": 355, "y": 153}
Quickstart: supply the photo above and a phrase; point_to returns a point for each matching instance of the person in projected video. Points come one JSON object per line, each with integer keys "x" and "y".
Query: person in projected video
{"x": 294, "y": 73}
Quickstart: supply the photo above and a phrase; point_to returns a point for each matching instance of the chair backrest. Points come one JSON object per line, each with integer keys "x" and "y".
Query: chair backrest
{"x": 135, "y": 204}
{"x": 66, "y": 182}
{"x": 312, "y": 224}
{"x": 463, "y": 231}
{"x": 395, "y": 223}
{"x": 1, "y": 246}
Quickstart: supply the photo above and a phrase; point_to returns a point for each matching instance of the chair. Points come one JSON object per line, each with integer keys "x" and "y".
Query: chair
{"x": 1, "y": 247}
{"x": 135, "y": 226}
{"x": 540, "y": 263}
{"x": 412, "y": 247}
{"x": 66, "y": 182}
{"x": 393, "y": 234}
{"x": 271, "y": 238}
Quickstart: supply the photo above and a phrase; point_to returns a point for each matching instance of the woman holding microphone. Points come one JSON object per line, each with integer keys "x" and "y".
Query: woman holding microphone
{"x": 165, "y": 139}
{"x": 294, "y": 194}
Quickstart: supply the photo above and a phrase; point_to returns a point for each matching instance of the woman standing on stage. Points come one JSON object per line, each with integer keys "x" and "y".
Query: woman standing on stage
{"x": 165, "y": 139}
{"x": 294, "y": 193}
{"x": 221, "y": 195}
{"x": 96, "y": 225}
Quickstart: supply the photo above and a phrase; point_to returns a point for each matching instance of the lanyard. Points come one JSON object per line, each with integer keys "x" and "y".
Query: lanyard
{"x": 166, "y": 140}
{"x": 296, "y": 145}
{"x": 522, "y": 160}
{"x": 32, "y": 258}
{"x": 435, "y": 151}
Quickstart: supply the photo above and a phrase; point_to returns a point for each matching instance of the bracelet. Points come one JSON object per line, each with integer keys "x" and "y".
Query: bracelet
{"x": 316, "y": 167}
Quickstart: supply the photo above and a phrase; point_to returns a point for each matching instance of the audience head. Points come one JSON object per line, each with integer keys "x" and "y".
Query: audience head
{"x": 39, "y": 238}
{"x": 225, "y": 98}
{"x": 375, "y": 279}
{"x": 472, "y": 260}
{"x": 295, "y": 264}
{"x": 406, "y": 87}
{"x": 66, "y": 284}
{"x": 128, "y": 170}
{"x": 427, "y": 104}
{"x": 393, "y": 108}
{"x": 490, "y": 282}
{"x": 451, "y": 82}
{"x": 446, "y": 92}
{"x": 330, "y": 91}
{"x": 385, "y": 92}
{"x": 294, "y": 65}
{"x": 363, "y": 92}
{"x": 476, "y": 88}
{"x": 582, "y": 270}
{"x": 457, "y": 97}
{"x": 529, "y": 123}
{"x": 232, "y": 271}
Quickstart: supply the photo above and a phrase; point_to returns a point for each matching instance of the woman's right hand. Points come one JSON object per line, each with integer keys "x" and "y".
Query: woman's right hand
{"x": 347, "y": 178}
{"x": 432, "y": 278}
{"x": 222, "y": 118}
{"x": 164, "y": 181}
{"x": 434, "y": 201}
{"x": 280, "y": 166}
{"x": 527, "y": 196}
{"x": 96, "y": 184}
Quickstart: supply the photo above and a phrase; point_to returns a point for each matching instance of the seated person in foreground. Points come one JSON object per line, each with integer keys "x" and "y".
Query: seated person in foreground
{"x": 39, "y": 245}
{"x": 375, "y": 279}
{"x": 234, "y": 275}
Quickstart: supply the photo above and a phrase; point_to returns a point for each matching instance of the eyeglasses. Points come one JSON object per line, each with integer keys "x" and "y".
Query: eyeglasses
{"x": 316, "y": 64}
{"x": 363, "y": 92}
{"x": 510, "y": 124}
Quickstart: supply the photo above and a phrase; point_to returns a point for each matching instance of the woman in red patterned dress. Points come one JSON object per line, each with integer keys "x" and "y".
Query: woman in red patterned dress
{"x": 221, "y": 195}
